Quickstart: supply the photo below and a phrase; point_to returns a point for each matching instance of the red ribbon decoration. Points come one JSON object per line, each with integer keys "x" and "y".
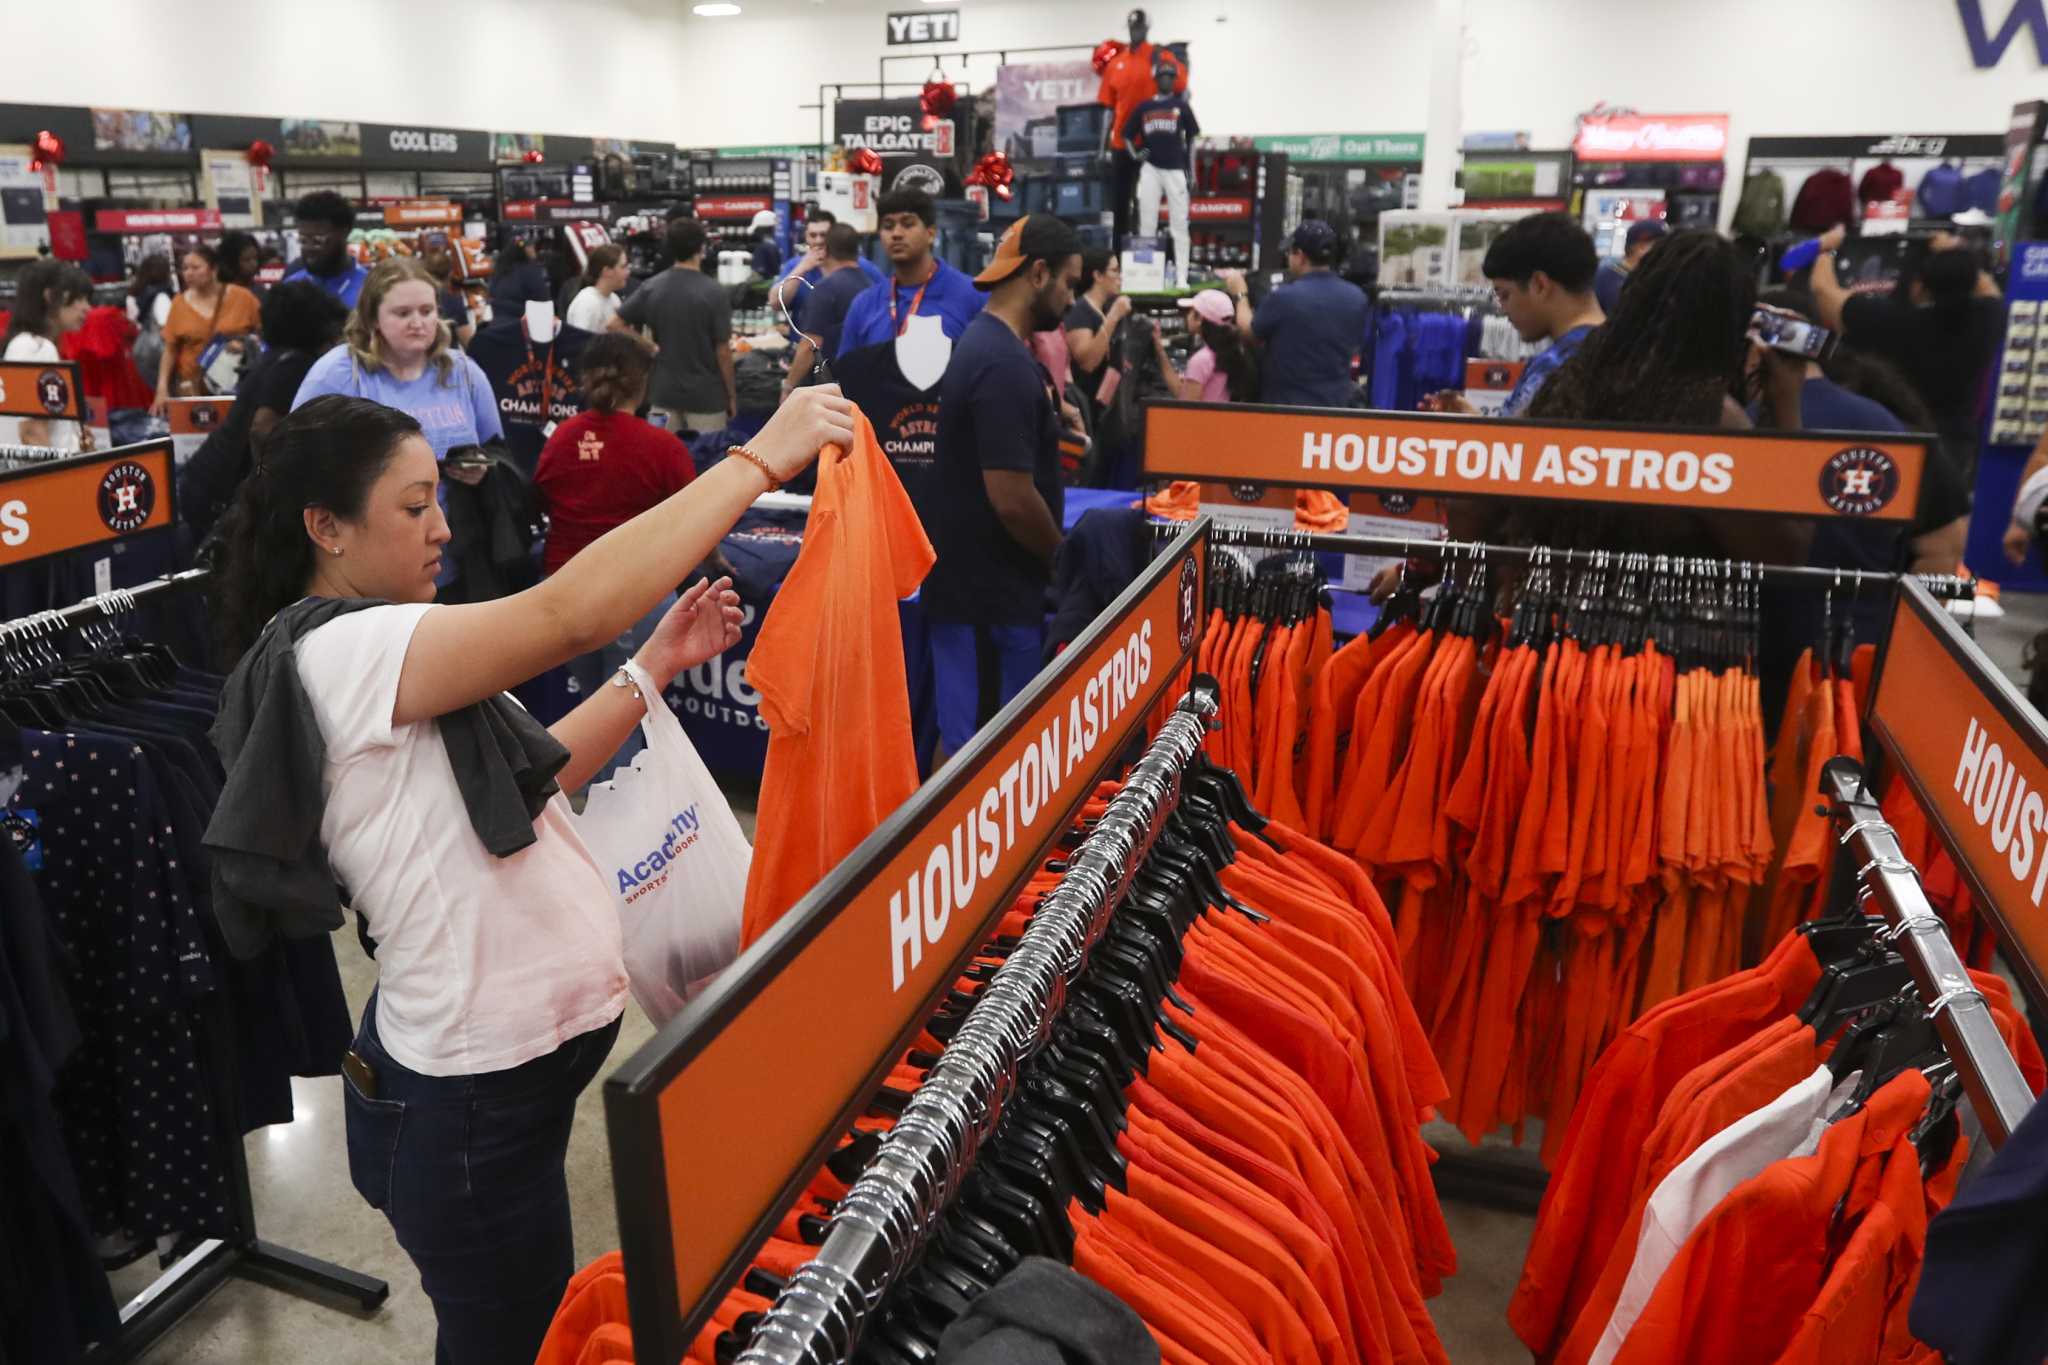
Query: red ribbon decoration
{"x": 1106, "y": 51}
{"x": 938, "y": 99}
{"x": 49, "y": 151}
{"x": 996, "y": 172}
{"x": 865, "y": 161}
{"x": 261, "y": 154}
{"x": 535, "y": 156}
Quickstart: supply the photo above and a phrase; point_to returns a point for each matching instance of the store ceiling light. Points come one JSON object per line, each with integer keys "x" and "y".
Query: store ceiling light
{"x": 714, "y": 11}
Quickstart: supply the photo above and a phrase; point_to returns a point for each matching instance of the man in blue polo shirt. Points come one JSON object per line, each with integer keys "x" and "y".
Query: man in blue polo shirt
{"x": 324, "y": 220}
{"x": 1312, "y": 326}
{"x": 923, "y": 283}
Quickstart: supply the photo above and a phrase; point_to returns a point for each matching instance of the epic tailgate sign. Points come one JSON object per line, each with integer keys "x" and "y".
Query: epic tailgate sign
{"x": 719, "y": 1120}
{"x": 1807, "y": 474}
{"x": 1976, "y": 756}
{"x": 85, "y": 500}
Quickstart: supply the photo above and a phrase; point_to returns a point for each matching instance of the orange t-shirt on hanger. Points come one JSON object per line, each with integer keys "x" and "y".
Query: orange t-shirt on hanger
{"x": 828, "y": 664}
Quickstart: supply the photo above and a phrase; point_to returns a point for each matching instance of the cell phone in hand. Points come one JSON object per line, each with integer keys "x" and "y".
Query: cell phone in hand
{"x": 1783, "y": 330}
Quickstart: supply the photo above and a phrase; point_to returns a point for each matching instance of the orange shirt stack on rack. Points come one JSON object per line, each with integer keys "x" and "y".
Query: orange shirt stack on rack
{"x": 1275, "y": 1201}
{"x": 1683, "y": 1075}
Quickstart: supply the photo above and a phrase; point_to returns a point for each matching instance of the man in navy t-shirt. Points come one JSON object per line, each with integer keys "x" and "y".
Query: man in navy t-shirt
{"x": 826, "y": 305}
{"x": 1312, "y": 326}
{"x": 994, "y": 504}
{"x": 923, "y": 283}
{"x": 1158, "y": 132}
{"x": 804, "y": 272}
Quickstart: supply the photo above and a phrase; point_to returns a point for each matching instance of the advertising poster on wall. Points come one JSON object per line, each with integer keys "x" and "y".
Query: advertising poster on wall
{"x": 140, "y": 130}
{"x": 515, "y": 146}
{"x": 1028, "y": 93}
{"x": 25, "y": 205}
{"x": 312, "y": 137}
{"x": 228, "y": 184}
{"x": 910, "y": 152}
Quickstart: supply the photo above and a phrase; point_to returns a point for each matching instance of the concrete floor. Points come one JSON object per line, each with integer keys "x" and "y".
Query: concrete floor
{"x": 304, "y": 1201}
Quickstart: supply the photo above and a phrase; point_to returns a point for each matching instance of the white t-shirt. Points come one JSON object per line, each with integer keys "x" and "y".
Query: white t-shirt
{"x": 482, "y": 962}
{"x": 592, "y": 308}
{"x": 29, "y": 346}
{"x": 1789, "y": 1126}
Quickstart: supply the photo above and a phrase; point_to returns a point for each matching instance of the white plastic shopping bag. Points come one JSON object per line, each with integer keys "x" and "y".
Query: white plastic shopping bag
{"x": 673, "y": 853}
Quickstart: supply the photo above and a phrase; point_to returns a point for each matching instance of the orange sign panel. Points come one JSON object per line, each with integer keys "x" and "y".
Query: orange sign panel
{"x": 34, "y": 388}
{"x": 756, "y": 1076}
{"x": 1976, "y": 756}
{"x": 86, "y": 500}
{"x": 1806, "y": 474}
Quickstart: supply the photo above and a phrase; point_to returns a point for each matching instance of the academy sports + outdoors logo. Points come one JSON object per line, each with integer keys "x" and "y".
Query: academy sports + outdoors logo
{"x": 1859, "y": 481}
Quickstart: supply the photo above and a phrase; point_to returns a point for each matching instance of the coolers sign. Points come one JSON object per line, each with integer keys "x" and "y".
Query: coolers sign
{"x": 1806, "y": 474}
{"x": 1976, "y": 756}
{"x": 1652, "y": 137}
{"x": 910, "y": 153}
{"x": 88, "y": 500}
{"x": 729, "y": 1111}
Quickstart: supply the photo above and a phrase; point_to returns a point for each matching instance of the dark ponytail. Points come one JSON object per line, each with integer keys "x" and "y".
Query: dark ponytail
{"x": 326, "y": 454}
{"x": 1234, "y": 358}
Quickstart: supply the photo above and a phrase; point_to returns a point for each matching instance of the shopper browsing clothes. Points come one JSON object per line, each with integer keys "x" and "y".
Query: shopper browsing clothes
{"x": 1223, "y": 369}
{"x": 804, "y": 272}
{"x": 691, "y": 319}
{"x": 1612, "y": 275}
{"x": 826, "y": 305}
{"x": 398, "y": 351}
{"x": 1942, "y": 328}
{"x": 324, "y": 220}
{"x": 206, "y": 310}
{"x": 51, "y": 299}
{"x": 379, "y": 724}
{"x": 922, "y": 283}
{"x": 1312, "y": 326}
{"x": 600, "y": 469}
{"x": 1542, "y": 271}
{"x": 993, "y": 508}
{"x": 604, "y": 279}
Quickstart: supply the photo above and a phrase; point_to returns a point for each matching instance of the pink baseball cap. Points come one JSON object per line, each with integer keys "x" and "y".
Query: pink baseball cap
{"x": 1212, "y": 305}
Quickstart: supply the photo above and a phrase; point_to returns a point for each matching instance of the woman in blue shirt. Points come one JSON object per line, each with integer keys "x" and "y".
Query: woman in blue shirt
{"x": 397, "y": 351}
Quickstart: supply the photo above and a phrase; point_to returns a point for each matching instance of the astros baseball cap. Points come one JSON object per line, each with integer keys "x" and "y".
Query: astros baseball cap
{"x": 1211, "y": 305}
{"x": 1038, "y": 237}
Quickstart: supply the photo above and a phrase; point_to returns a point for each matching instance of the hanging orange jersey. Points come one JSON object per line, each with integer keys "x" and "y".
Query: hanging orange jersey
{"x": 828, "y": 664}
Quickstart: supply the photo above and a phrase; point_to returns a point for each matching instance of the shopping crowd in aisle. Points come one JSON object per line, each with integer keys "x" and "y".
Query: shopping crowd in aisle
{"x": 418, "y": 499}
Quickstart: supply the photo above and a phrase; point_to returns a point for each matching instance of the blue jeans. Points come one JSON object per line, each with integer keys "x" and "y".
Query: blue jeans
{"x": 588, "y": 672}
{"x": 470, "y": 1171}
{"x": 976, "y": 670}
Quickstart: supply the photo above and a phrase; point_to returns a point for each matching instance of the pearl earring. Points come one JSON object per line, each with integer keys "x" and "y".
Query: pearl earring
{"x": 334, "y": 549}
